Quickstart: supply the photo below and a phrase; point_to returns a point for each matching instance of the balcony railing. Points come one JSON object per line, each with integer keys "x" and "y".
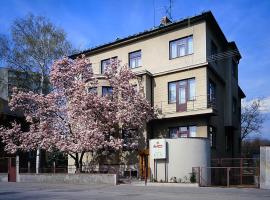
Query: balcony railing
{"x": 198, "y": 105}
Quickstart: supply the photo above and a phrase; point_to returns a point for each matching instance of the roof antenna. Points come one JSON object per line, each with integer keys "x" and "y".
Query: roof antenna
{"x": 168, "y": 10}
{"x": 154, "y": 7}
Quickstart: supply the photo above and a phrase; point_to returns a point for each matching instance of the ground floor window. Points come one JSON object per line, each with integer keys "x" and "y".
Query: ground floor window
{"x": 212, "y": 136}
{"x": 183, "y": 132}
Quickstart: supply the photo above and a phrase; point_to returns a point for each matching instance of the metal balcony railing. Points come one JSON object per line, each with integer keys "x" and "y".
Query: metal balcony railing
{"x": 198, "y": 103}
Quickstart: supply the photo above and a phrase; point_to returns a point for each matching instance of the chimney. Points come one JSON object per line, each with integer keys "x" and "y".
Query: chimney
{"x": 165, "y": 21}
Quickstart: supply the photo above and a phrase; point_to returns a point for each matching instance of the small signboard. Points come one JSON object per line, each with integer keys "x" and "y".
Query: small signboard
{"x": 158, "y": 149}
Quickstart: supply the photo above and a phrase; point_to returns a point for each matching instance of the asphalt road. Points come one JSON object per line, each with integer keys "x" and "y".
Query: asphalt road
{"x": 34, "y": 191}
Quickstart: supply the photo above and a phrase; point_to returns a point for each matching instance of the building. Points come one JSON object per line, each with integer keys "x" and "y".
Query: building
{"x": 190, "y": 72}
{"x": 26, "y": 81}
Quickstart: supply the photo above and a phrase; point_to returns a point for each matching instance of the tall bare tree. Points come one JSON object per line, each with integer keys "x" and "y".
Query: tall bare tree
{"x": 31, "y": 48}
{"x": 251, "y": 118}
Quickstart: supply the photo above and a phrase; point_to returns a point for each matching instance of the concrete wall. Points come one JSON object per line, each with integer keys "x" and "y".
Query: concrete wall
{"x": 87, "y": 179}
{"x": 265, "y": 167}
{"x": 3, "y": 177}
{"x": 182, "y": 155}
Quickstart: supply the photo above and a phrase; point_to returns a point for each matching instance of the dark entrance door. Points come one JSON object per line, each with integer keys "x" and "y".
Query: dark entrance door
{"x": 11, "y": 169}
{"x": 181, "y": 96}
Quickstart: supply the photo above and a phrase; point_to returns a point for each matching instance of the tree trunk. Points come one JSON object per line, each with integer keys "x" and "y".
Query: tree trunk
{"x": 38, "y": 149}
{"x": 78, "y": 161}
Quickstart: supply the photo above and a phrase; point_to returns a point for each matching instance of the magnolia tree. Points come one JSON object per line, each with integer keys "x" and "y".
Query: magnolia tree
{"x": 75, "y": 119}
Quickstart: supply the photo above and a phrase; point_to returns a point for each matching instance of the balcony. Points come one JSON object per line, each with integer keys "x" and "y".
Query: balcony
{"x": 200, "y": 105}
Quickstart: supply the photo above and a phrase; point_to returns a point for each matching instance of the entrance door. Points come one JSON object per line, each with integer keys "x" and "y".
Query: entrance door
{"x": 144, "y": 164}
{"x": 181, "y": 96}
{"x": 11, "y": 169}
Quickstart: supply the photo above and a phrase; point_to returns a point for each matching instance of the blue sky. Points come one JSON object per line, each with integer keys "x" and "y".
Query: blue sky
{"x": 89, "y": 23}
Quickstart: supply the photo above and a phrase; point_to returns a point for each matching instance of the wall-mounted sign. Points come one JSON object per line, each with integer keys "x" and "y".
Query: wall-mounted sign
{"x": 158, "y": 149}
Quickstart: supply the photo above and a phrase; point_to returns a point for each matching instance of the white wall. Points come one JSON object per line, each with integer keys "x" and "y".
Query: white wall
{"x": 182, "y": 155}
{"x": 265, "y": 167}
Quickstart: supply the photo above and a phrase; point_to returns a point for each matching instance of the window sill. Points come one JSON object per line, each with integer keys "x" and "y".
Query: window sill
{"x": 181, "y": 56}
{"x": 134, "y": 67}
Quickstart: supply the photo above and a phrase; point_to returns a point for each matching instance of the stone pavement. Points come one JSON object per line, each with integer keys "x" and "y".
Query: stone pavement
{"x": 36, "y": 191}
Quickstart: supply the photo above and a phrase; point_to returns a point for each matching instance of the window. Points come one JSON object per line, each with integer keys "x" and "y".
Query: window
{"x": 211, "y": 92}
{"x": 92, "y": 90}
{"x": 189, "y": 85}
{"x": 234, "y": 69}
{"x": 181, "y": 47}
{"x": 135, "y": 59}
{"x": 172, "y": 92}
{"x": 192, "y": 131}
{"x": 183, "y": 132}
{"x": 234, "y": 105}
{"x": 105, "y": 63}
{"x": 106, "y": 90}
{"x": 212, "y": 136}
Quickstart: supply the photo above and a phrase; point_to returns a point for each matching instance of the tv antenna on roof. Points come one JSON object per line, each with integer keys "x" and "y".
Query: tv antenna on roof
{"x": 168, "y": 9}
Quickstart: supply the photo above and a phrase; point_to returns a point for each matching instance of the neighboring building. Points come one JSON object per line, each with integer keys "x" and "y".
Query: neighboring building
{"x": 26, "y": 81}
{"x": 190, "y": 72}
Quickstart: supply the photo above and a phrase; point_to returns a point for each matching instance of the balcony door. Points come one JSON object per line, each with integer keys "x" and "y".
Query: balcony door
{"x": 181, "y": 95}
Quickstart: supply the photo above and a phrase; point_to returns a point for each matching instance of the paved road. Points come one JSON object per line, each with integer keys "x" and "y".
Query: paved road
{"x": 34, "y": 191}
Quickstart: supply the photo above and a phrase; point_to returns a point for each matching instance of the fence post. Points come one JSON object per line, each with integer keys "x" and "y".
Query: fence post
{"x": 200, "y": 176}
{"x": 17, "y": 168}
{"x": 54, "y": 167}
{"x": 228, "y": 176}
{"x": 241, "y": 171}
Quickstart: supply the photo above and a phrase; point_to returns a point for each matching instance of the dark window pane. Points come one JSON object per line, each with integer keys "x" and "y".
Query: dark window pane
{"x": 212, "y": 92}
{"x": 106, "y": 90}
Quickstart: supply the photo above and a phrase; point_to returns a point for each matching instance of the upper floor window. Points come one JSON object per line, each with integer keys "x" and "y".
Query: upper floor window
{"x": 183, "y": 132}
{"x": 106, "y": 90}
{"x": 172, "y": 92}
{"x": 181, "y": 47}
{"x": 105, "y": 63}
{"x": 211, "y": 92}
{"x": 185, "y": 87}
{"x": 135, "y": 59}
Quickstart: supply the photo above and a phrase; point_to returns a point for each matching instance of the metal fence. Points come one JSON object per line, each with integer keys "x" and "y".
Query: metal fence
{"x": 227, "y": 176}
{"x": 229, "y": 172}
{"x": 123, "y": 171}
{"x": 196, "y": 104}
{"x": 235, "y": 162}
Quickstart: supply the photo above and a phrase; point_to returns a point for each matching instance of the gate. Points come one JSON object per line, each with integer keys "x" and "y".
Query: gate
{"x": 8, "y": 167}
{"x": 12, "y": 169}
{"x": 229, "y": 172}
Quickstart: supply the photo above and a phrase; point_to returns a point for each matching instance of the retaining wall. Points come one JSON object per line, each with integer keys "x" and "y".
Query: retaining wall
{"x": 86, "y": 179}
{"x": 3, "y": 177}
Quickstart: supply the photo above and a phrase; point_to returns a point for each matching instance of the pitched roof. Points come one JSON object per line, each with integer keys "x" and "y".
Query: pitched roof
{"x": 204, "y": 16}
